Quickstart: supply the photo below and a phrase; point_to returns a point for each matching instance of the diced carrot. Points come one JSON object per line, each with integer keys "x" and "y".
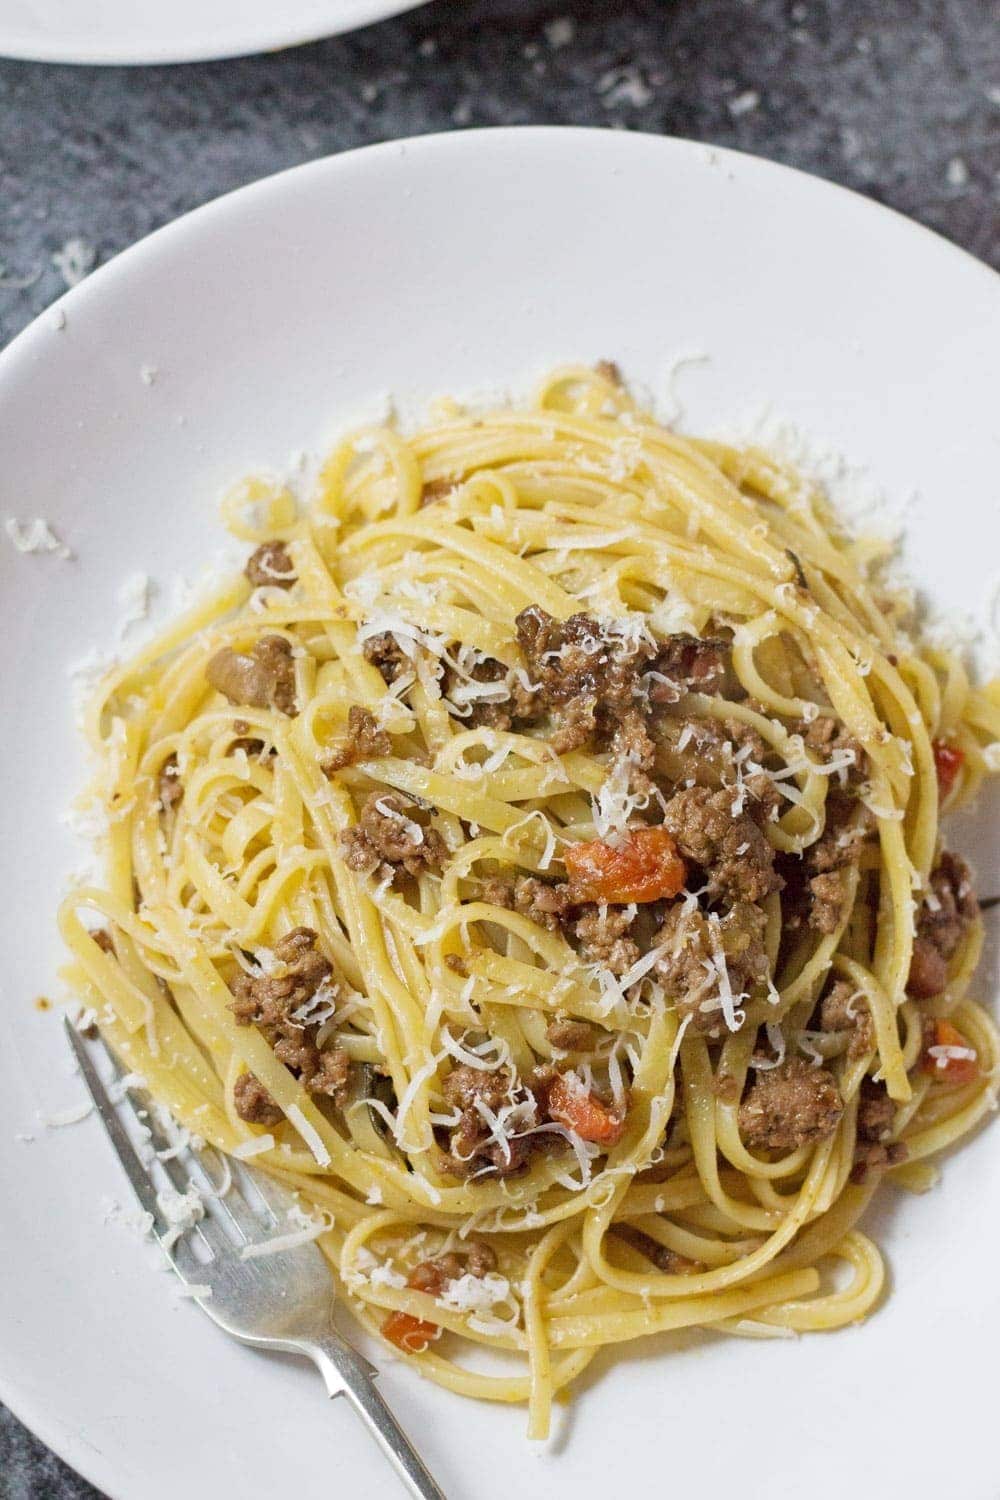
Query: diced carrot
{"x": 643, "y": 866}
{"x": 942, "y": 1041}
{"x": 948, "y": 761}
{"x": 572, "y": 1106}
{"x": 408, "y": 1333}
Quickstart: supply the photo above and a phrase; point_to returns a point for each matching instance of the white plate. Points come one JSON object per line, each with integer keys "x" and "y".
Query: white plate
{"x": 460, "y": 263}
{"x": 173, "y": 31}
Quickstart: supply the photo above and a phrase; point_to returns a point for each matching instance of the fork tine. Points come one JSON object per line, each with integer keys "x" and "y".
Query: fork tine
{"x": 142, "y": 1184}
{"x": 255, "y": 1185}
{"x": 219, "y": 1227}
{"x": 138, "y": 1175}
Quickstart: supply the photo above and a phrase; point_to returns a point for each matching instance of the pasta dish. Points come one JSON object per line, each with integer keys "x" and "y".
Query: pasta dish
{"x": 534, "y": 859}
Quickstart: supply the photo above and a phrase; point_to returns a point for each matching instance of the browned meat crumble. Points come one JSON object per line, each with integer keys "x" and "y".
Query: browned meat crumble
{"x": 253, "y": 1102}
{"x": 271, "y": 1001}
{"x": 789, "y": 1106}
{"x": 432, "y": 1276}
{"x": 827, "y": 896}
{"x": 383, "y": 838}
{"x": 685, "y": 966}
{"x": 815, "y": 888}
{"x": 385, "y": 652}
{"x": 730, "y": 847}
{"x": 365, "y": 741}
{"x": 873, "y": 1149}
{"x": 827, "y": 737}
{"x": 471, "y": 1147}
{"x": 435, "y": 489}
{"x": 942, "y": 922}
{"x": 586, "y": 676}
{"x": 264, "y": 678}
{"x": 518, "y": 707}
{"x": 609, "y": 370}
{"x": 271, "y": 566}
{"x": 601, "y": 932}
{"x": 848, "y": 827}
{"x": 844, "y": 1009}
{"x": 690, "y": 665}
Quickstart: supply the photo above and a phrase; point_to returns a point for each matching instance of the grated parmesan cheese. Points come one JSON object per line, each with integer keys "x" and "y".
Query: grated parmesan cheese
{"x": 244, "y": 1150}
{"x": 134, "y": 596}
{"x": 474, "y": 1294}
{"x": 71, "y": 1116}
{"x": 308, "y": 1230}
{"x": 181, "y": 1211}
{"x": 35, "y": 536}
{"x": 309, "y": 1134}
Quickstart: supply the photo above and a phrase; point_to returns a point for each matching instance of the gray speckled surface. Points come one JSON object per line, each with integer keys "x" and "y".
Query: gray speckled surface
{"x": 897, "y": 98}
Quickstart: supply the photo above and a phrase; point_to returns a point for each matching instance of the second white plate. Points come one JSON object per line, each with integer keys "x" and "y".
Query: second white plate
{"x": 173, "y": 31}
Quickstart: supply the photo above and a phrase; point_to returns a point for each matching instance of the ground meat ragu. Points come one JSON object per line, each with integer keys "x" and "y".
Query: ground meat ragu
{"x": 271, "y": 566}
{"x": 609, "y": 371}
{"x": 433, "y": 490}
{"x": 844, "y": 1009}
{"x": 689, "y": 665}
{"x": 816, "y": 892}
{"x": 365, "y": 741}
{"x": 600, "y": 932}
{"x": 685, "y": 967}
{"x": 942, "y": 922}
{"x": 791, "y": 1105}
{"x": 586, "y": 676}
{"x": 632, "y": 742}
{"x": 828, "y": 737}
{"x": 827, "y": 895}
{"x": 476, "y": 1258}
{"x": 388, "y": 835}
{"x": 385, "y": 653}
{"x": 517, "y": 707}
{"x": 264, "y": 999}
{"x": 262, "y": 678}
{"x": 848, "y": 827}
{"x": 873, "y": 1148}
{"x": 253, "y": 1103}
{"x": 730, "y": 847}
{"x": 707, "y": 759}
{"x": 270, "y": 1001}
{"x": 546, "y": 902}
{"x": 471, "y": 1147}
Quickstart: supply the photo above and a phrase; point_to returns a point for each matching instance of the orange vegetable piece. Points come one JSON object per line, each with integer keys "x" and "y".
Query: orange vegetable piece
{"x": 948, "y": 761}
{"x": 408, "y": 1333}
{"x": 583, "y": 1112}
{"x": 951, "y": 1070}
{"x": 643, "y": 866}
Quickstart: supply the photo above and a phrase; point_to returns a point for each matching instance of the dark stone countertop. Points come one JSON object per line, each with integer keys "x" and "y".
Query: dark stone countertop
{"x": 899, "y": 99}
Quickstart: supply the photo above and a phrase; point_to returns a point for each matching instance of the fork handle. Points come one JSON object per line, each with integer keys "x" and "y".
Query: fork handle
{"x": 348, "y": 1373}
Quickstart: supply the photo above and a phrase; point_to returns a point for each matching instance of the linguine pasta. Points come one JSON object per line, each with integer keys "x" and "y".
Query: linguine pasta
{"x": 536, "y": 862}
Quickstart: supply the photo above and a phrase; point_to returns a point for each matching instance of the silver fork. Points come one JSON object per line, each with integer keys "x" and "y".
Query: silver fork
{"x": 280, "y": 1301}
